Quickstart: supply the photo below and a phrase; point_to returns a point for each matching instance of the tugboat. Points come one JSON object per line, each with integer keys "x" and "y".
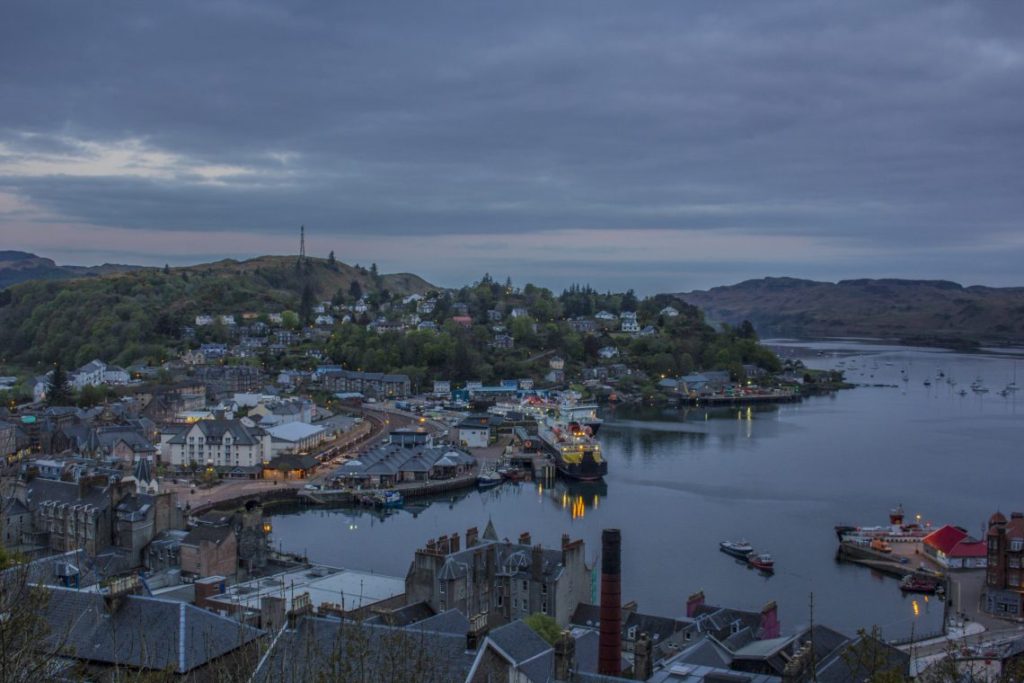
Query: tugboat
{"x": 762, "y": 562}
{"x": 740, "y": 549}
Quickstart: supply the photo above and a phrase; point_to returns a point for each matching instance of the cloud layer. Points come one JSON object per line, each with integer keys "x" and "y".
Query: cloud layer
{"x": 665, "y": 144}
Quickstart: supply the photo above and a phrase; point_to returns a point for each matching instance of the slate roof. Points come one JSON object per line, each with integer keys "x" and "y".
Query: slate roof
{"x": 394, "y": 458}
{"x": 212, "y": 534}
{"x": 214, "y": 431}
{"x": 529, "y": 653}
{"x": 108, "y": 437}
{"x": 48, "y": 490}
{"x": 142, "y": 632}
{"x": 453, "y": 621}
{"x": 403, "y": 616}
{"x": 510, "y": 559}
{"x": 330, "y": 649}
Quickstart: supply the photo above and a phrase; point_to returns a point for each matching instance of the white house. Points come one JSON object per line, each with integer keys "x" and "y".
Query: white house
{"x": 90, "y": 374}
{"x": 115, "y": 375}
{"x": 361, "y": 307}
{"x": 412, "y": 298}
{"x": 442, "y": 387}
{"x": 519, "y": 313}
{"x": 627, "y": 315}
{"x": 629, "y": 325}
{"x": 475, "y": 431}
{"x": 325, "y": 320}
{"x": 204, "y": 320}
{"x": 607, "y": 352}
{"x": 276, "y": 318}
{"x": 228, "y": 320}
{"x": 669, "y": 312}
{"x": 604, "y": 315}
{"x": 221, "y": 443}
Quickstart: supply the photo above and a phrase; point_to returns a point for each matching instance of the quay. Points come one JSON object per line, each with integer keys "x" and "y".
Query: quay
{"x": 739, "y": 399}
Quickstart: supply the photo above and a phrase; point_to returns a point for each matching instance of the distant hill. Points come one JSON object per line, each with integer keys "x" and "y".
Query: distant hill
{"x": 21, "y": 266}
{"x": 914, "y": 310}
{"x": 124, "y": 317}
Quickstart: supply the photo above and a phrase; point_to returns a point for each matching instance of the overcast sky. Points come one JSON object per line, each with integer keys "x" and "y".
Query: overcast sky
{"x": 660, "y": 145}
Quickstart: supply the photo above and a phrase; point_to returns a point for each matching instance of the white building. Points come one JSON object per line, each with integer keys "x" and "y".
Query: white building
{"x": 669, "y": 311}
{"x": 204, "y": 320}
{"x": 221, "y": 443}
{"x": 630, "y": 325}
{"x": 295, "y": 437}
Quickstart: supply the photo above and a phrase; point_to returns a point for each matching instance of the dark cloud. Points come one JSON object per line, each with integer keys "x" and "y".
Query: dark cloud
{"x": 878, "y": 124}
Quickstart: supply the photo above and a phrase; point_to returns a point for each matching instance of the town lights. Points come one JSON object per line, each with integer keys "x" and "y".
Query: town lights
{"x": 267, "y": 527}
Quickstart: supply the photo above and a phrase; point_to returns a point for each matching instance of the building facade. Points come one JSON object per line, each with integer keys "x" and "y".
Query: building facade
{"x": 1004, "y": 592}
{"x": 504, "y": 581}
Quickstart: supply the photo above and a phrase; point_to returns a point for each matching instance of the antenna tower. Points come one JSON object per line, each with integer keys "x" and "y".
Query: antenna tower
{"x": 302, "y": 243}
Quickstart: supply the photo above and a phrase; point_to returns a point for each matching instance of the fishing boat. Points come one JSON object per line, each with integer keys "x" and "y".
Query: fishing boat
{"x": 917, "y": 583}
{"x": 740, "y": 549}
{"x": 511, "y": 473}
{"x": 489, "y": 479}
{"x": 382, "y": 499}
{"x": 761, "y": 561}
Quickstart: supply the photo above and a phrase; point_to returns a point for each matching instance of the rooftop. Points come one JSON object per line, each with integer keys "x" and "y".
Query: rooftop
{"x": 349, "y": 588}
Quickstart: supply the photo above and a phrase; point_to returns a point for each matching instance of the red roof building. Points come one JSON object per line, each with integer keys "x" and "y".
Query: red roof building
{"x": 953, "y": 548}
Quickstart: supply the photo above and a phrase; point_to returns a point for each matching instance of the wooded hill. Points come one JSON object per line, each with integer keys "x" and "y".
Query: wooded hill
{"x": 922, "y": 311}
{"x": 134, "y": 316}
{"x": 21, "y": 266}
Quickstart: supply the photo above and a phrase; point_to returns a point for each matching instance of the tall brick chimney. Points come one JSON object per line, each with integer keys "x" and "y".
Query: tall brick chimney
{"x": 609, "y": 659}
{"x": 471, "y": 536}
{"x": 454, "y": 542}
{"x": 524, "y": 538}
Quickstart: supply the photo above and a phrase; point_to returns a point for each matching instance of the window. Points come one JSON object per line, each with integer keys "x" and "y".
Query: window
{"x": 1016, "y": 545}
{"x": 526, "y": 586}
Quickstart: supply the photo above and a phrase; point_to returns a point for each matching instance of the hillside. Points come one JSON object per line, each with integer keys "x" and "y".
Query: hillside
{"x": 21, "y": 266}
{"x": 918, "y": 310}
{"x": 138, "y": 315}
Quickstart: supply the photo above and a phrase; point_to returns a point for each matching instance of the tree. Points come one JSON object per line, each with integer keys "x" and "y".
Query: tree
{"x": 306, "y": 304}
{"x": 331, "y": 263}
{"x": 58, "y": 391}
{"x": 355, "y": 290}
{"x": 167, "y": 269}
{"x": 545, "y": 626}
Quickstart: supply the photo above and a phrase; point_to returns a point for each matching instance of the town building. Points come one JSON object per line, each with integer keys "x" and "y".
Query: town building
{"x": 504, "y": 580}
{"x": 1004, "y": 592}
{"x": 409, "y": 456}
{"x": 953, "y": 548}
{"x": 374, "y": 384}
{"x": 221, "y": 443}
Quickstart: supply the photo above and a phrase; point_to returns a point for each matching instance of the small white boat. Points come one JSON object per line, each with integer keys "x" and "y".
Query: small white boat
{"x": 736, "y": 548}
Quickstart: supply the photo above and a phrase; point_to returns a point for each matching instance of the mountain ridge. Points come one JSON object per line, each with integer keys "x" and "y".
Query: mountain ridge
{"x": 907, "y": 309}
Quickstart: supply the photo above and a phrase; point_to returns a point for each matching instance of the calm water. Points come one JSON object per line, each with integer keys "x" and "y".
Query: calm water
{"x": 682, "y": 480}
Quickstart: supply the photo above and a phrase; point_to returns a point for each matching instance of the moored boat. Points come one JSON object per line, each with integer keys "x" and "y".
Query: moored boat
{"x": 761, "y": 561}
{"x": 489, "y": 479}
{"x": 738, "y": 549}
{"x": 576, "y": 453}
{"x": 916, "y": 583}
